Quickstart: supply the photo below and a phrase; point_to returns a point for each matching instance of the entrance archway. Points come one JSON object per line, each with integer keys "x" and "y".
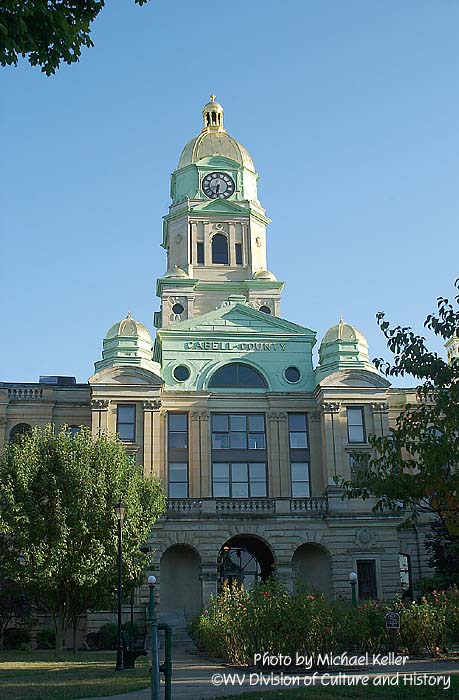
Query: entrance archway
{"x": 244, "y": 560}
{"x": 180, "y": 584}
{"x": 312, "y": 568}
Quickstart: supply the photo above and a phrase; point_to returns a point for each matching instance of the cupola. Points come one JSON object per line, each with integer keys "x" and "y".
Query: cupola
{"x": 212, "y": 115}
{"x": 343, "y": 347}
{"x": 127, "y": 342}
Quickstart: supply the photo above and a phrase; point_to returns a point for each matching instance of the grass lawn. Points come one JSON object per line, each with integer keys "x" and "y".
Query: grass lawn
{"x": 357, "y": 693}
{"x": 26, "y": 675}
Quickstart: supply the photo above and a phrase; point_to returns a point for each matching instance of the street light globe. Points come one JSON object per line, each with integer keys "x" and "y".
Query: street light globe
{"x": 352, "y": 576}
{"x": 151, "y": 580}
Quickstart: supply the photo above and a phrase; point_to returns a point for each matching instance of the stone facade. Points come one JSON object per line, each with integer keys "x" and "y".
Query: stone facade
{"x": 228, "y": 410}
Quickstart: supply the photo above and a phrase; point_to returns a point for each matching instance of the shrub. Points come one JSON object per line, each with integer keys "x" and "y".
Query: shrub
{"x": 46, "y": 639}
{"x": 16, "y": 638}
{"x": 239, "y": 623}
{"x": 103, "y": 640}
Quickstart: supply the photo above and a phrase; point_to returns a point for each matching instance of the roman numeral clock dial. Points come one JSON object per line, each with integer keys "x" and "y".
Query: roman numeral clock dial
{"x": 218, "y": 186}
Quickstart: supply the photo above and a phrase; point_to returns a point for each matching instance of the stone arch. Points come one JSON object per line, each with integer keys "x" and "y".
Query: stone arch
{"x": 311, "y": 564}
{"x": 220, "y": 249}
{"x": 245, "y": 559}
{"x": 180, "y": 583}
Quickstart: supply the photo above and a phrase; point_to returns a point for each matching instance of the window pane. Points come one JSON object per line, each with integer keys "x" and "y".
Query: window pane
{"x": 258, "y": 489}
{"x": 126, "y": 431}
{"x": 221, "y": 471}
{"x": 178, "y": 471}
{"x": 256, "y": 424}
{"x": 297, "y": 422}
{"x": 250, "y": 378}
{"x": 178, "y": 441}
{"x": 240, "y": 490}
{"x": 238, "y": 254}
{"x": 257, "y": 471}
{"x": 178, "y": 490}
{"x": 200, "y": 253}
{"x": 257, "y": 441}
{"x": 298, "y": 441}
{"x": 177, "y": 422}
{"x": 220, "y": 423}
{"x": 238, "y": 423}
{"x": 239, "y": 472}
{"x": 366, "y": 572}
{"x": 220, "y": 441}
{"x": 220, "y": 249}
{"x": 356, "y": 433}
{"x": 354, "y": 416}
{"x": 221, "y": 490}
{"x": 238, "y": 441}
{"x": 300, "y": 489}
{"x": 126, "y": 414}
{"x": 300, "y": 471}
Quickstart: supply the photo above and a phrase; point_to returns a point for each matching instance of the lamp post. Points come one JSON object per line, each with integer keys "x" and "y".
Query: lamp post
{"x": 120, "y": 511}
{"x": 353, "y": 579}
{"x": 153, "y": 624}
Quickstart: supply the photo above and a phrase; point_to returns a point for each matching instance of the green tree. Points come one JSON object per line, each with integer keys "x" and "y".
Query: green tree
{"x": 415, "y": 468}
{"x": 49, "y": 32}
{"x": 57, "y": 522}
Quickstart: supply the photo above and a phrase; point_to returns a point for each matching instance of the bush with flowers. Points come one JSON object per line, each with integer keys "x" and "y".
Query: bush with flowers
{"x": 239, "y": 623}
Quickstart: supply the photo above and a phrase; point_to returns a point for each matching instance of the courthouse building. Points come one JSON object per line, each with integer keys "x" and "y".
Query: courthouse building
{"x": 224, "y": 405}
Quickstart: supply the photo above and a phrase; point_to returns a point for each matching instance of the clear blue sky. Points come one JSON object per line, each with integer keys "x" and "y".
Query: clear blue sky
{"x": 349, "y": 109}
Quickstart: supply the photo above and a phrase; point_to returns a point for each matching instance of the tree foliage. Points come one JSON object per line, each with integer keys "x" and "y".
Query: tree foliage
{"x": 49, "y": 32}
{"x": 57, "y": 523}
{"x": 415, "y": 468}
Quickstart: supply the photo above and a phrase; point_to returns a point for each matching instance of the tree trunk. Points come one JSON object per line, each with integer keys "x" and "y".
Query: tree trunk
{"x": 74, "y": 635}
{"x": 60, "y": 627}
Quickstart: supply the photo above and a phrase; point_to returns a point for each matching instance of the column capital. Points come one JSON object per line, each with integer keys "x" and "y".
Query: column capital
{"x": 329, "y": 407}
{"x": 100, "y": 404}
{"x": 199, "y": 415}
{"x": 154, "y": 405}
{"x": 380, "y": 407}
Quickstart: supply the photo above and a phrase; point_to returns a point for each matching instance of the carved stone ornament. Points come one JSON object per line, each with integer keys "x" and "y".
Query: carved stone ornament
{"x": 265, "y": 302}
{"x": 258, "y": 241}
{"x": 178, "y": 238}
{"x": 100, "y": 404}
{"x": 279, "y": 416}
{"x": 364, "y": 538}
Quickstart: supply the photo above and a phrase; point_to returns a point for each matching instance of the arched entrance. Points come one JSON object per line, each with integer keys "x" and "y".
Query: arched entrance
{"x": 180, "y": 585}
{"x": 312, "y": 569}
{"x": 244, "y": 560}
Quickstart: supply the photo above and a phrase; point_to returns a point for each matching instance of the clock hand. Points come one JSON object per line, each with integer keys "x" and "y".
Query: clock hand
{"x": 217, "y": 189}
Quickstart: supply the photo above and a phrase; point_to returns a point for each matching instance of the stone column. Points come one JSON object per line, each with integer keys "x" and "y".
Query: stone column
{"x": 99, "y": 416}
{"x": 162, "y": 449}
{"x": 151, "y": 436}
{"x": 205, "y": 456}
{"x": 330, "y": 422}
{"x": 380, "y": 418}
{"x": 284, "y": 456}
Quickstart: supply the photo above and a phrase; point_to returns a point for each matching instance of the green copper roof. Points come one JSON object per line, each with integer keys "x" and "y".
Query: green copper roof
{"x": 127, "y": 342}
{"x": 343, "y": 347}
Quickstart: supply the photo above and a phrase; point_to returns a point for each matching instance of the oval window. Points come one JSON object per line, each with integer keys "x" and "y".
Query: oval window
{"x": 265, "y": 309}
{"x": 181, "y": 373}
{"x": 292, "y": 374}
{"x": 178, "y": 309}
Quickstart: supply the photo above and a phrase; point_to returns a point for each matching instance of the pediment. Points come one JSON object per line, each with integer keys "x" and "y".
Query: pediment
{"x": 220, "y": 206}
{"x": 128, "y": 375}
{"x": 240, "y": 318}
{"x": 355, "y": 378}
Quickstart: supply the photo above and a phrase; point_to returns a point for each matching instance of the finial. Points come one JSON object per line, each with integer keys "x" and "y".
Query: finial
{"x": 213, "y": 116}
{"x": 128, "y": 314}
{"x": 213, "y": 98}
{"x": 341, "y": 319}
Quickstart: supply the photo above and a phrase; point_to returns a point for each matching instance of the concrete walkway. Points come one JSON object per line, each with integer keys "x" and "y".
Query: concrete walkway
{"x": 193, "y": 673}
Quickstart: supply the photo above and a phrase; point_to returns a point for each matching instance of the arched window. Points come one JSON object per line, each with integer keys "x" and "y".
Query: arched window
{"x": 237, "y": 376}
{"x": 220, "y": 249}
{"x": 18, "y": 431}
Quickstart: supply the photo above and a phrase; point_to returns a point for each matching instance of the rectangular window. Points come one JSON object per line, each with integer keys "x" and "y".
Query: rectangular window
{"x": 238, "y": 253}
{"x": 238, "y": 431}
{"x": 366, "y": 579}
{"x": 125, "y": 422}
{"x": 200, "y": 253}
{"x": 178, "y": 480}
{"x": 355, "y": 424}
{"x": 239, "y": 479}
{"x": 299, "y": 454}
{"x": 178, "y": 455}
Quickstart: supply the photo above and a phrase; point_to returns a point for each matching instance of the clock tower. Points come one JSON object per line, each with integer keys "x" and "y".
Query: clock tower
{"x": 215, "y": 231}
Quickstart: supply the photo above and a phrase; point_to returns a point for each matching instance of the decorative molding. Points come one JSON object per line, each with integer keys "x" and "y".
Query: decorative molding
{"x": 278, "y": 416}
{"x": 314, "y": 416}
{"x": 381, "y": 407}
{"x": 364, "y": 538}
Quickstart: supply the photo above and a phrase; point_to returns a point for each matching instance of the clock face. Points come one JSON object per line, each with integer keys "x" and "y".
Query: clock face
{"x": 218, "y": 185}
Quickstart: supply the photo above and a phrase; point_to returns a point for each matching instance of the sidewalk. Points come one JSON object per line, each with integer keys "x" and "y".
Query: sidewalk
{"x": 192, "y": 677}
